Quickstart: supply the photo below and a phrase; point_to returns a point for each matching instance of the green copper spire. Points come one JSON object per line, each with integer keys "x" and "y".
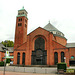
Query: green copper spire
{"x": 22, "y": 8}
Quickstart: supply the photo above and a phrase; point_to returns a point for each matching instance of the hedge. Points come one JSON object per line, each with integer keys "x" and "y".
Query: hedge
{"x": 62, "y": 66}
{"x": 1, "y": 63}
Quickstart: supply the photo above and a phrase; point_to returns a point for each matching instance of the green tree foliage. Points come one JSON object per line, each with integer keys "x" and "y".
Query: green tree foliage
{"x": 8, "y": 43}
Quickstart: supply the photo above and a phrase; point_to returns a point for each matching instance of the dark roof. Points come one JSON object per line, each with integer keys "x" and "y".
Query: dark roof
{"x": 23, "y": 9}
{"x": 59, "y": 36}
{"x": 3, "y": 48}
{"x": 10, "y": 49}
{"x": 70, "y": 45}
{"x": 50, "y": 27}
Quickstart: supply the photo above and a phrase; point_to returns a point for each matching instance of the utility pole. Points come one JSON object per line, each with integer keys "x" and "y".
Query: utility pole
{"x": 5, "y": 58}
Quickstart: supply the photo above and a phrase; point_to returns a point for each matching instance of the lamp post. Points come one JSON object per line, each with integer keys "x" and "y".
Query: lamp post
{"x": 65, "y": 59}
{"x": 5, "y": 58}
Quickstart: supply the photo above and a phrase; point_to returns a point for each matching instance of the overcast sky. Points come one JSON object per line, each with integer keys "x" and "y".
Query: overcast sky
{"x": 61, "y": 14}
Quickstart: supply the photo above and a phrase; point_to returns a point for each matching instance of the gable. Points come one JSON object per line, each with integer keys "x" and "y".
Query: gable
{"x": 39, "y": 32}
{"x": 38, "y": 29}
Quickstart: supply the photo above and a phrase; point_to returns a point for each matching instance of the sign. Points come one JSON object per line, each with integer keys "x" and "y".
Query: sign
{"x": 7, "y": 53}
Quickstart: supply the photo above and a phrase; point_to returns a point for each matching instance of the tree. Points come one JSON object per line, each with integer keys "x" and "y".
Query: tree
{"x": 8, "y": 43}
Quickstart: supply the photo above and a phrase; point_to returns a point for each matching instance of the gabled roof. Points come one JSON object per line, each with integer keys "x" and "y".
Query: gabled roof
{"x": 1, "y": 47}
{"x": 50, "y": 27}
{"x": 70, "y": 45}
{"x": 10, "y": 49}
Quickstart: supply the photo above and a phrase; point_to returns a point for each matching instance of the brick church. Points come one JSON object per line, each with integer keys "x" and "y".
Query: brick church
{"x": 43, "y": 46}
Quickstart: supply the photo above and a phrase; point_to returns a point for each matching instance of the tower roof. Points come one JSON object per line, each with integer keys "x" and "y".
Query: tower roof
{"x": 22, "y": 9}
{"x": 50, "y": 27}
{"x": 22, "y": 12}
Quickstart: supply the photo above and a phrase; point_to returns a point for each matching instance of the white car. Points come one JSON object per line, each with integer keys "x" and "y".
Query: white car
{"x": 11, "y": 62}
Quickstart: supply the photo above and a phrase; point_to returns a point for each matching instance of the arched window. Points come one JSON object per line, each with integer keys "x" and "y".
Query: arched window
{"x": 18, "y": 58}
{"x": 55, "y": 58}
{"x": 72, "y": 57}
{"x": 23, "y": 58}
{"x": 39, "y": 44}
{"x": 62, "y": 56}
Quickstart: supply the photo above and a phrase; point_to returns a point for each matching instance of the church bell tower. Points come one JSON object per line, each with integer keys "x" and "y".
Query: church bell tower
{"x": 21, "y": 28}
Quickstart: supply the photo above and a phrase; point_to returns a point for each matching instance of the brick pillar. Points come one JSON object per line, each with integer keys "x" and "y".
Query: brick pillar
{"x": 27, "y": 56}
{"x": 51, "y": 50}
{"x": 59, "y": 57}
{"x": 15, "y": 57}
{"x": 67, "y": 57}
{"x": 20, "y": 58}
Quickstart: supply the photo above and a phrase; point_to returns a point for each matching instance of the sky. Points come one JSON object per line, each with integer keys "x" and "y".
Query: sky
{"x": 60, "y": 13}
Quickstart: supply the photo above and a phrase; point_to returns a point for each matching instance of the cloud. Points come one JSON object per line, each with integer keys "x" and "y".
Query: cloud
{"x": 60, "y": 12}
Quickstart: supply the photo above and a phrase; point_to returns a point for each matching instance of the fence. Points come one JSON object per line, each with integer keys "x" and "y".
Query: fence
{"x": 30, "y": 69}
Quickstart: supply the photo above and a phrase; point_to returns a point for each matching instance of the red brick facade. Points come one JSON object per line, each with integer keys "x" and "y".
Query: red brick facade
{"x": 25, "y": 44}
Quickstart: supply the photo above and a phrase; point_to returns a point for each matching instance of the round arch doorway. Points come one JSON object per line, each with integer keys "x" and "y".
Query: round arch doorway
{"x": 39, "y": 55}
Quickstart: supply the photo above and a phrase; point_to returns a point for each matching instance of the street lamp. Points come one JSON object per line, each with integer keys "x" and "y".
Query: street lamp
{"x": 5, "y": 58}
{"x": 65, "y": 59}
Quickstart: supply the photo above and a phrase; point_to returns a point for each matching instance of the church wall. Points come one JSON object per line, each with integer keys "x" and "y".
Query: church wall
{"x": 15, "y": 56}
{"x": 71, "y": 52}
{"x": 31, "y": 39}
{"x": 66, "y": 52}
{"x": 51, "y": 54}
{"x": 60, "y": 40}
{"x": 20, "y": 49}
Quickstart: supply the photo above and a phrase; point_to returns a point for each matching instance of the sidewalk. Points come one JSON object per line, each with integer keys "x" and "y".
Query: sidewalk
{"x": 18, "y": 73}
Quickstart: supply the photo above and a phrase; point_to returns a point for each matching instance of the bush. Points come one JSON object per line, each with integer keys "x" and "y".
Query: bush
{"x": 62, "y": 66}
{"x": 2, "y": 63}
{"x": 7, "y": 60}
